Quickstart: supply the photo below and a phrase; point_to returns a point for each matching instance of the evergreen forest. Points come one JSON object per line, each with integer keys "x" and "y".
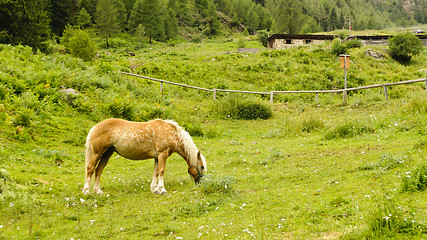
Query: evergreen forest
{"x": 35, "y": 22}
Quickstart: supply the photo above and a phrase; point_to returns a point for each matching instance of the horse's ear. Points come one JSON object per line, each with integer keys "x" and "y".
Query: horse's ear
{"x": 199, "y": 155}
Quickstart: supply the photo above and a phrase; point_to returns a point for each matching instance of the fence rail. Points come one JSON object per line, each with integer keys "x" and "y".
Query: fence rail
{"x": 272, "y": 93}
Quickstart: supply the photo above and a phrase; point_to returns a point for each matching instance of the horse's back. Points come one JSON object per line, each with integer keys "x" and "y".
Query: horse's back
{"x": 135, "y": 140}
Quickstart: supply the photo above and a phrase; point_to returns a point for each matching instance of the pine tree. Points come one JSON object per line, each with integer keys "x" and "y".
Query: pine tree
{"x": 121, "y": 14}
{"x": 252, "y": 21}
{"x": 90, "y": 6}
{"x": 83, "y": 18}
{"x": 288, "y": 15}
{"x": 106, "y": 19}
{"x": 341, "y": 21}
{"x": 61, "y": 15}
{"x": 148, "y": 13}
{"x": 171, "y": 25}
{"x": 25, "y": 22}
{"x": 333, "y": 20}
{"x": 213, "y": 24}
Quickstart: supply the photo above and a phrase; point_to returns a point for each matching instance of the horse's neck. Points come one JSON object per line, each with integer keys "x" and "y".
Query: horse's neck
{"x": 186, "y": 153}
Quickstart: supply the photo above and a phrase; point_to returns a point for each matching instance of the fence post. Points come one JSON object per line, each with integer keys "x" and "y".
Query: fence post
{"x": 344, "y": 96}
{"x": 271, "y": 96}
{"x": 161, "y": 86}
{"x": 426, "y": 84}
{"x": 214, "y": 95}
{"x": 385, "y": 92}
{"x": 317, "y": 97}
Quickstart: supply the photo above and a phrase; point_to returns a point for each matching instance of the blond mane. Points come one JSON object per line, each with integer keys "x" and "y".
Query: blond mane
{"x": 189, "y": 146}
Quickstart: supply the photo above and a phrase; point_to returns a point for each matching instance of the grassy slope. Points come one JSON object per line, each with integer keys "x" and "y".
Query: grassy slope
{"x": 291, "y": 180}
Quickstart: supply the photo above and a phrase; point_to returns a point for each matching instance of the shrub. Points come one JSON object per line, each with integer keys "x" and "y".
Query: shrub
{"x": 3, "y": 91}
{"x": 121, "y": 108}
{"x": 354, "y": 43}
{"x": 193, "y": 129}
{"x": 253, "y": 111}
{"x": 78, "y": 43}
{"x": 235, "y": 108}
{"x": 403, "y": 46}
{"x": 263, "y": 37}
{"x": 338, "y": 48}
{"x": 23, "y": 118}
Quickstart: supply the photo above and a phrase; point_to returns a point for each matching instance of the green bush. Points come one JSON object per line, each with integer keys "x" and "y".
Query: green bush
{"x": 354, "y": 43}
{"x": 262, "y": 36}
{"x": 193, "y": 129}
{"x": 253, "y": 111}
{"x": 402, "y": 47}
{"x": 337, "y": 47}
{"x": 235, "y": 108}
{"x": 79, "y": 43}
{"x": 23, "y": 118}
{"x": 3, "y": 91}
{"x": 121, "y": 108}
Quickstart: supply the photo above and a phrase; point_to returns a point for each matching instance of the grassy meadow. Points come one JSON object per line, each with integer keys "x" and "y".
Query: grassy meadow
{"x": 311, "y": 171}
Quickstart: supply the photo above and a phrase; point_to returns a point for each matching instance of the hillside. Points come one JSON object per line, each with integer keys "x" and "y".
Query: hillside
{"x": 197, "y": 20}
{"x": 311, "y": 171}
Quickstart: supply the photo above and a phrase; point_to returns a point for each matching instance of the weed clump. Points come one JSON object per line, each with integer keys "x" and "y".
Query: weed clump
{"x": 223, "y": 184}
{"x": 391, "y": 220}
{"x": 312, "y": 125}
{"x": 349, "y": 130}
{"x": 386, "y": 162}
{"x": 415, "y": 180}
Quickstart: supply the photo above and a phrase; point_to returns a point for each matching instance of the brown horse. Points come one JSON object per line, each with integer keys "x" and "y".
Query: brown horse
{"x": 156, "y": 139}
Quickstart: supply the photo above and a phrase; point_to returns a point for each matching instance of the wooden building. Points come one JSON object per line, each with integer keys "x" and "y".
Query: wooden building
{"x": 282, "y": 41}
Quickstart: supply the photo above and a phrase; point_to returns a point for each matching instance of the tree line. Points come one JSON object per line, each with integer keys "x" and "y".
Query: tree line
{"x": 34, "y": 22}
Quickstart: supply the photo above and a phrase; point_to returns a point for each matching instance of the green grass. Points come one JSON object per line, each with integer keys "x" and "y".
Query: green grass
{"x": 311, "y": 171}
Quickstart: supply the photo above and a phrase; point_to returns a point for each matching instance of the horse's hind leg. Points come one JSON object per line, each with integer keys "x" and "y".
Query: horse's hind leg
{"x": 102, "y": 163}
{"x": 91, "y": 162}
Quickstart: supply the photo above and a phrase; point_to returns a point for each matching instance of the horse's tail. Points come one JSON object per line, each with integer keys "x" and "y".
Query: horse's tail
{"x": 88, "y": 151}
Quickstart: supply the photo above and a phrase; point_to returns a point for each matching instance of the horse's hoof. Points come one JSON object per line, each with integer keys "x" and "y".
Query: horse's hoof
{"x": 99, "y": 192}
{"x": 164, "y": 193}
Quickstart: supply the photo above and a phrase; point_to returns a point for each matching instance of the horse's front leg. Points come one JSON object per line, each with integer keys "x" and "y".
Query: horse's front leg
{"x": 153, "y": 186}
{"x": 161, "y": 170}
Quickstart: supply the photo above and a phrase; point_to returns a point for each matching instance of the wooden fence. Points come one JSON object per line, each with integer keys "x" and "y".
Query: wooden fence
{"x": 272, "y": 93}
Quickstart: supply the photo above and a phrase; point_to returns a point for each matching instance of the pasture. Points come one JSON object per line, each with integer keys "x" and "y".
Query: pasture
{"x": 311, "y": 171}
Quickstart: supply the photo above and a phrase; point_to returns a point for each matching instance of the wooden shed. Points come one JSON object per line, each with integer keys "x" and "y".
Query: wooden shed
{"x": 281, "y": 41}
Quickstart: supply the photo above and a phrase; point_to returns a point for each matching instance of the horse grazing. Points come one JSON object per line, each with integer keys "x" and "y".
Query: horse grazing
{"x": 156, "y": 139}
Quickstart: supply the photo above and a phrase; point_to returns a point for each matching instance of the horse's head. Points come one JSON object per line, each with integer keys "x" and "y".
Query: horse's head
{"x": 196, "y": 171}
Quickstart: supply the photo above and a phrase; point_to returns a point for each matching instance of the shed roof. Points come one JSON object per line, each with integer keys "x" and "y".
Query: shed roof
{"x": 301, "y": 36}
